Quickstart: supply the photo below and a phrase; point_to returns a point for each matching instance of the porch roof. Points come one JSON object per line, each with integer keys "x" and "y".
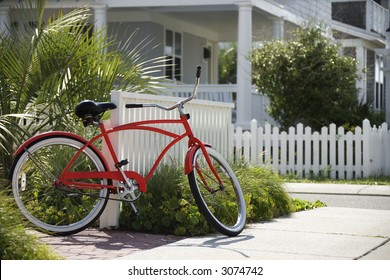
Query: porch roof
{"x": 215, "y": 19}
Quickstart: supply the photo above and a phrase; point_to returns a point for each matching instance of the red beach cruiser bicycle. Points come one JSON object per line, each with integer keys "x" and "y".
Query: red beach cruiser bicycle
{"x": 61, "y": 181}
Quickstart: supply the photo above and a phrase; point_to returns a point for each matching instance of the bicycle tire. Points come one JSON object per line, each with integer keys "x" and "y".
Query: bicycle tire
{"x": 57, "y": 211}
{"x": 225, "y": 208}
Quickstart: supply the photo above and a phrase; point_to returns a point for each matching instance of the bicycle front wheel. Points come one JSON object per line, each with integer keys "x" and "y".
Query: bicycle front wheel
{"x": 223, "y": 206}
{"x": 57, "y": 209}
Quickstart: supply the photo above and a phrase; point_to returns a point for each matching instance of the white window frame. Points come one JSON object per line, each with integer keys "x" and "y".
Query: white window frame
{"x": 170, "y": 51}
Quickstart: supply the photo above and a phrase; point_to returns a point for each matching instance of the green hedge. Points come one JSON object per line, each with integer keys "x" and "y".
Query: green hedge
{"x": 168, "y": 205}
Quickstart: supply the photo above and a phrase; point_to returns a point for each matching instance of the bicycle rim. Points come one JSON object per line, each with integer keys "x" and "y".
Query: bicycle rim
{"x": 57, "y": 210}
{"x": 222, "y": 206}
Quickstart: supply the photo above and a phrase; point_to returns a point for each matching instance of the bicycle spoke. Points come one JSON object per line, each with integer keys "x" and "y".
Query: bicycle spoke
{"x": 48, "y": 204}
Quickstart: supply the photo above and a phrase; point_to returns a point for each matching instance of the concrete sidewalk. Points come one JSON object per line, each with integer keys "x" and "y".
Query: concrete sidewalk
{"x": 321, "y": 234}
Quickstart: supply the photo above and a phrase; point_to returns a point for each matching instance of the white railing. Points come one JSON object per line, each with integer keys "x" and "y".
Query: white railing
{"x": 224, "y": 93}
{"x": 303, "y": 153}
{"x": 211, "y": 122}
{"x": 377, "y": 17}
{"x": 213, "y": 92}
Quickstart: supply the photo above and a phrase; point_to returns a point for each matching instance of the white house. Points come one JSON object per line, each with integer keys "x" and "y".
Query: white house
{"x": 190, "y": 33}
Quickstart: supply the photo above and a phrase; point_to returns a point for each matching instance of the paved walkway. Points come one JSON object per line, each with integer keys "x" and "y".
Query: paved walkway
{"x": 325, "y": 233}
{"x": 96, "y": 244}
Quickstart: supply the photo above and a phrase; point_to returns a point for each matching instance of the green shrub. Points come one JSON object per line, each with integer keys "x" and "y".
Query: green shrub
{"x": 168, "y": 205}
{"x": 264, "y": 193}
{"x": 15, "y": 242}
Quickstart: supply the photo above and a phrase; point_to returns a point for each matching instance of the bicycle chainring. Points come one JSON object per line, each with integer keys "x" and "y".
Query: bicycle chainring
{"x": 128, "y": 194}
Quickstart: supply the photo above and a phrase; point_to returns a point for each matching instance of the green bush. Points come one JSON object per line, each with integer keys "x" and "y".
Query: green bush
{"x": 168, "y": 205}
{"x": 264, "y": 193}
{"x": 15, "y": 242}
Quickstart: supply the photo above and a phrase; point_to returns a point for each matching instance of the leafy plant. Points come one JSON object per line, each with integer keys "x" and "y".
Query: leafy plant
{"x": 264, "y": 192}
{"x": 48, "y": 67}
{"x": 15, "y": 241}
{"x": 307, "y": 80}
{"x": 167, "y": 207}
{"x": 302, "y": 205}
{"x": 227, "y": 61}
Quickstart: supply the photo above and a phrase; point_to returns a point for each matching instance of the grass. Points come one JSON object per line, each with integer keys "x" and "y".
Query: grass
{"x": 377, "y": 181}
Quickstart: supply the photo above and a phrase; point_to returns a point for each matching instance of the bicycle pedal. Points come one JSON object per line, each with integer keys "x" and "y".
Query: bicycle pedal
{"x": 121, "y": 163}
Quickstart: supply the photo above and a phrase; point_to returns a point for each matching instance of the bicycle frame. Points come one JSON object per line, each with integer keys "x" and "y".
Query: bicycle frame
{"x": 68, "y": 178}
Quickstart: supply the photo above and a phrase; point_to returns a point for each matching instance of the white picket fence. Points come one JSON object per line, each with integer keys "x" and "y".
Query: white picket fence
{"x": 332, "y": 152}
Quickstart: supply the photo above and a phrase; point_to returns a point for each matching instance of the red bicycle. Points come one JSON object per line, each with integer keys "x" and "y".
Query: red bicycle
{"x": 61, "y": 182}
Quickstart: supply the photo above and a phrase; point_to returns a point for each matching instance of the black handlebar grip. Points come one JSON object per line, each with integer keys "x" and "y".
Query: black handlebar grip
{"x": 134, "y": 105}
{"x": 198, "y": 71}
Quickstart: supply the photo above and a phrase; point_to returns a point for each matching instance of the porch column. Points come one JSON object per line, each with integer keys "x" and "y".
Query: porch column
{"x": 4, "y": 20}
{"x": 361, "y": 57}
{"x": 386, "y": 73}
{"x": 100, "y": 17}
{"x": 244, "y": 67}
{"x": 277, "y": 28}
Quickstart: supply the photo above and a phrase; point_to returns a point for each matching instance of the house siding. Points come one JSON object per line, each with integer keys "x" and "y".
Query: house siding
{"x": 308, "y": 9}
{"x": 193, "y": 53}
{"x": 145, "y": 31}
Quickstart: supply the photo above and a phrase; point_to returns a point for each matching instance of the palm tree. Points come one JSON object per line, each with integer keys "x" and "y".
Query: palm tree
{"x": 47, "y": 68}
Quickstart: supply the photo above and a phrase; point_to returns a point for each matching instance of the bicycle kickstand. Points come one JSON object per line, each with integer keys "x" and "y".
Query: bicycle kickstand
{"x": 134, "y": 208}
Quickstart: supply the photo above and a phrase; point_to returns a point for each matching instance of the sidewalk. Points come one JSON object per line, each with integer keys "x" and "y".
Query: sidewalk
{"x": 324, "y": 233}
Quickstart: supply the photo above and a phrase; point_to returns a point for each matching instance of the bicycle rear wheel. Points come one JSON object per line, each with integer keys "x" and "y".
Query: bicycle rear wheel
{"x": 222, "y": 206}
{"x": 57, "y": 209}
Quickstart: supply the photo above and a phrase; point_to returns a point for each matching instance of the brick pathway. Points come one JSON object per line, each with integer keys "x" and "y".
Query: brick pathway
{"x": 95, "y": 244}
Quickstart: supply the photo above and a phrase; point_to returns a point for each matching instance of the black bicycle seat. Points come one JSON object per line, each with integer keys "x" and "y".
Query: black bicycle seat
{"x": 88, "y": 107}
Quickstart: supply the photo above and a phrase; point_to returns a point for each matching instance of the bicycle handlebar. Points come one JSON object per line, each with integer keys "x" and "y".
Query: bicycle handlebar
{"x": 180, "y": 103}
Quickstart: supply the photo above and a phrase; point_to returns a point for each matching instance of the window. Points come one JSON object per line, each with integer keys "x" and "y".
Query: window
{"x": 173, "y": 51}
{"x": 379, "y": 96}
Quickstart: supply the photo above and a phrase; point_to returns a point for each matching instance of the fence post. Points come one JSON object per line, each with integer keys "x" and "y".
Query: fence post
{"x": 384, "y": 144}
{"x": 358, "y": 152}
{"x": 110, "y": 216}
{"x": 275, "y": 148}
{"x": 307, "y": 158}
{"x": 283, "y": 153}
{"x": 300, "y": 150}
{"x": 332, "y": 147}
{"x": 291, "y": 150}
{"x": 324, "y": 149}
{"x": 267, "y": 143}
{"x": 366, "y": 148}
{"x": 341, "y": 152}
{"x": 254, "y": 140}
